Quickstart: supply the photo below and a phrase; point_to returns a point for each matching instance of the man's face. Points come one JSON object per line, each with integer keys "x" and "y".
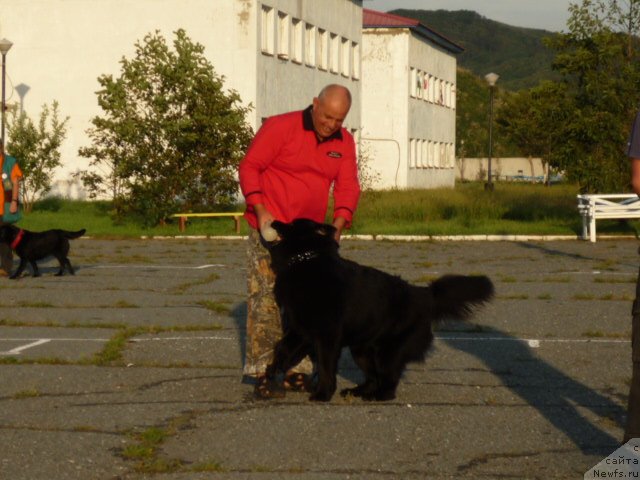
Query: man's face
{"x": 328, "y": 115}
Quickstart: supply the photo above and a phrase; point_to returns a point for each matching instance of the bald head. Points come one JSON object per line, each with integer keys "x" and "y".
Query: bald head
{"x": 330, "y": 108}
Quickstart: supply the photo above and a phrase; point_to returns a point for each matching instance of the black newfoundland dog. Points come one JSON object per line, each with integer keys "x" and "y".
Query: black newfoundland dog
{"x": 328, "y": 303}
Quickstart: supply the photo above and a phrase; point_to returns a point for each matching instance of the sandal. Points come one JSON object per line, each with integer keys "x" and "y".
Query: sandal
{"x": 266, "y": 389}
{"x": 297, "y": 382}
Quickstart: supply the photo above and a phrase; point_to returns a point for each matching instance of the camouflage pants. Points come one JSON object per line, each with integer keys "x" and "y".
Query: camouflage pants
{"x": 633, "y": 411}
{"x": 264, "y": 328}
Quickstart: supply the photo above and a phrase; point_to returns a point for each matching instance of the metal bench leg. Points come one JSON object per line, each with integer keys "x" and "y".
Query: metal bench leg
{"x": 584, "y": 228}
{"x": 592, "y": 229}
{"x": 236, "y": 219}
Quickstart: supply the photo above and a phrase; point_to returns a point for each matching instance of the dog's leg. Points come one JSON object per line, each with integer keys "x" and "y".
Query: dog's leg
{"x": 35, "y": 272}
{"x": 287, "y": 353}
{"x": 328, "y": 354}
{"x": 389, "y": 367}
{"x": 365, "y": 359}
{"x": 64, "y": 262}
{"x": 19, "y": 270}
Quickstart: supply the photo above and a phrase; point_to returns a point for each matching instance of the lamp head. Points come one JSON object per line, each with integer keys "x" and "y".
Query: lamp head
{"x": 491, "y": 78}
{"x": 5, "y": 46}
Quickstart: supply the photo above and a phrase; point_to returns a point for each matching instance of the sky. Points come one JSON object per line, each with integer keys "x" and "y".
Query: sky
{"x": 546, "y": 14}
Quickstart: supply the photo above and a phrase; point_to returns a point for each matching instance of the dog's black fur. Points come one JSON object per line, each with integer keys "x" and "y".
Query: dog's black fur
{"x": 328, "y": 302}
{"x": 38, "y": 245}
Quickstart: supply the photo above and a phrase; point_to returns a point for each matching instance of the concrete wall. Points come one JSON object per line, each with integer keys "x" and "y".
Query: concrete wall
{"x": 476, "y": 169}
{"x": 62, "y": 46}
{"x": 384, "y": 104}
{"x": 402, "y": 127}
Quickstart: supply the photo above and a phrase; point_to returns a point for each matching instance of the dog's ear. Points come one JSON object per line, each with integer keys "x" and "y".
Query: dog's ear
{"x": 326, "y": 229}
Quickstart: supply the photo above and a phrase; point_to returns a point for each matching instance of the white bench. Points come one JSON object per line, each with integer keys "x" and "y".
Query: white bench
{"x": 613, "y": 205}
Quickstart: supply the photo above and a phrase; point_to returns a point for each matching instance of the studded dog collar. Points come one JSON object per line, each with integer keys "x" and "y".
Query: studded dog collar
{"x": 302, "y": 257}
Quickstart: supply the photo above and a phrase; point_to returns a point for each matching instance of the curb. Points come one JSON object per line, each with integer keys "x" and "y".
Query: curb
{"x": 416, "y": 238}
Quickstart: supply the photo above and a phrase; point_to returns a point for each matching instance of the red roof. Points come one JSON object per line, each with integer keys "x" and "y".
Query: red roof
{"x": 375, "y": 19}
{"x": 379, "y": 19}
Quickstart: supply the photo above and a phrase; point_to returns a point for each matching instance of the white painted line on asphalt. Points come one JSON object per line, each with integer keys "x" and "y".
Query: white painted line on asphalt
{"x": 532, "y": 342}
{"x": 19, "y": 350}
{"x": 156, "y": 339}
{"x": 168, "y": 267}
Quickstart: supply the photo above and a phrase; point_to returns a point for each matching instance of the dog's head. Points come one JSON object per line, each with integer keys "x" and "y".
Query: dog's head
{"x": 301, "y": 240}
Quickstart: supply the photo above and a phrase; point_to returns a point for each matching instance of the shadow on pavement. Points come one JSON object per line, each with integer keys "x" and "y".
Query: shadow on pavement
{"x": 552, "y": 392}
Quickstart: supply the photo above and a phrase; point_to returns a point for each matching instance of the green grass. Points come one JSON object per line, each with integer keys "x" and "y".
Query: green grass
{"x": 467, "y": 209}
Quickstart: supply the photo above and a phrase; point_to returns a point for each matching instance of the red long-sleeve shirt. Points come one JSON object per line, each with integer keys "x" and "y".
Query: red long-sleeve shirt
{"x": 290, "y": 172}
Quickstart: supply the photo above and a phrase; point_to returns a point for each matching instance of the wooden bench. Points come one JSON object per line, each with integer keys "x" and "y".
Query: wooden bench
{"x": 613, "y": 206}
{"x": 182, "y": 218}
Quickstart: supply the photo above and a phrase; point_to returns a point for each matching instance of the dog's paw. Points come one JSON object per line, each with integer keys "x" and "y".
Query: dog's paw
{"x": 320, "y": 396}
{"x": 353, "y": 392}
{"x": 380, "y": 396}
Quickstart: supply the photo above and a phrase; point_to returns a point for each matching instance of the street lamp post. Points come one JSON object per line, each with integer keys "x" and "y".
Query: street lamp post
{"x": 491, "y": 79}
{"x": 5, "y": 46}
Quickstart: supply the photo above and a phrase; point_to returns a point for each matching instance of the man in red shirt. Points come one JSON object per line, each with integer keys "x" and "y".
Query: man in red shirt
{"x": 286, "y": 174}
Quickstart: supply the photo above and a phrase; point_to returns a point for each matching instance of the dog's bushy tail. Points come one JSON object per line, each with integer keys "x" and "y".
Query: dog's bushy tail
{"x": 72, "y": 235}
{"x": 456, "y": 295}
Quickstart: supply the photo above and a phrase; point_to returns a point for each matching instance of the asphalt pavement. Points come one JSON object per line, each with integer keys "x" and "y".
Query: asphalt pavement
{"x": 131, "y": 369}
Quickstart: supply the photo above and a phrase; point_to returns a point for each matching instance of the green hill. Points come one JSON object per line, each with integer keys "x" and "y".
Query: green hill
{"x": 516, "y": 54}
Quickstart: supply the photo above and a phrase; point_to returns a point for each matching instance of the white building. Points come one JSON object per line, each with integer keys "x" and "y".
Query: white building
{"x": 408, "y": 102}
{"x": 277, "y": 54}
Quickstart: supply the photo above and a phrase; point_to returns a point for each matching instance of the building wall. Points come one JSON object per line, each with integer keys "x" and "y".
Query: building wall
{"x": 405, "y": 127}
{"x": 62, "y": 46}
{"x": 432, "y": 116}
{"x": 385, "y": 84}
{"x": 291, "y": 73}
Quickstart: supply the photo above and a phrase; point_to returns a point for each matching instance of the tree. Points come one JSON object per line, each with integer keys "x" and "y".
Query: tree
{"x": 599, "y": 95}
{"x": 37, "y": 149}
{"x": 533, "y": 120}
{"x": 170, "y": 138}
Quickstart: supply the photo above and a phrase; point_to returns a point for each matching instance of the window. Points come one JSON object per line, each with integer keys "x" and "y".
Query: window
{"x": 412, "y": 153}
{"x": 345, "y": 56}
{"x": 453, "y": 97}
{"x": 323, "y": 49}
{"x": 335, "y": 53}
{"x": 355, "y": 61}
{"x": 425, "y": 154}
{"x": 430, "y": 86}
{"x": 413, "y": 79}
{"x": 296, "y": 48}
{"x": 266, "y": 24}
{"x": 310, "y": 45}
{"x": 283, "y": 36}
{"x": 420, "y": 85}
{"x": 430, "y": 154}
{"x": 419, "y": 153}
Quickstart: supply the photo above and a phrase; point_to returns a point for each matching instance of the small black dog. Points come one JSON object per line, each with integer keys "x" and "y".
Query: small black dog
{"x": 328, "y": 303}
{"x": 32, "y": 246}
